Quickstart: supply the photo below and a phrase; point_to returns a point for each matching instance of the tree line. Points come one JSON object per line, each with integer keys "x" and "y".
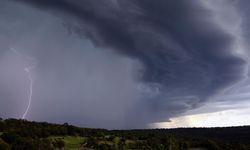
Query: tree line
{"x": 27, "y": 135}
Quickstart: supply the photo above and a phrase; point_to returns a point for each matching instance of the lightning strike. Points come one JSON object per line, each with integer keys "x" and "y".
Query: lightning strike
{"x": 28, "y": 71}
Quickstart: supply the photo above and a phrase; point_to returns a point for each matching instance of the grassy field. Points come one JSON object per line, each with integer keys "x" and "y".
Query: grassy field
{"x": 74, "y": 142}
{"x": 71, "y": 142}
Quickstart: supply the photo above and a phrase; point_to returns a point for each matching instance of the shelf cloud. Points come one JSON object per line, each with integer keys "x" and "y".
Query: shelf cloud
{"x": 122, "y": 63}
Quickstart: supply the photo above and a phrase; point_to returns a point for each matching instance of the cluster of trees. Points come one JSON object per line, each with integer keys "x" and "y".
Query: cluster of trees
{"x": 24, "y": 135}
{"x": 150, "y": 143}
{"x": 226, "y": 138}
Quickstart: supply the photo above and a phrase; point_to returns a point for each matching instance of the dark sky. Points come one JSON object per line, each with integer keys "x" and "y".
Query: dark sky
{"x": 121, "y": 63}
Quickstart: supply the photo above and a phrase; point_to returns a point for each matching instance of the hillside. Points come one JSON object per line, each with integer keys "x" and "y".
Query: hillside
{"x": 25, "y": 135}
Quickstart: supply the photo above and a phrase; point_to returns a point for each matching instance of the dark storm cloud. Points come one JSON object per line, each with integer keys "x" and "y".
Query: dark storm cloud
{"x": 186, "y": 57}
{"x": 168, "y": 37}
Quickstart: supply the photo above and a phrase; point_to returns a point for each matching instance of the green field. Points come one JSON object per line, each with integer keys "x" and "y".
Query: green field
{"x": 71, "y": 142}
{"x": 77, "y": 142}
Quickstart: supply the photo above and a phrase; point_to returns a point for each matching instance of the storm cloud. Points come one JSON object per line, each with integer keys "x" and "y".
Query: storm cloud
{"x": 143, "y": 61}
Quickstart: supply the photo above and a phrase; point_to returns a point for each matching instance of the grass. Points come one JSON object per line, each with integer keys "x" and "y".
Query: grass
{"x": 71, "y": 142}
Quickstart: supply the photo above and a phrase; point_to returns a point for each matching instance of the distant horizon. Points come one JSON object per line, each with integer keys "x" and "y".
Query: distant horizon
{"x": 149, "y": 128}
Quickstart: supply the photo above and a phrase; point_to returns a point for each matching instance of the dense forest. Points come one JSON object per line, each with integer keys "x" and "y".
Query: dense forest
{"x": 25, "y": 135}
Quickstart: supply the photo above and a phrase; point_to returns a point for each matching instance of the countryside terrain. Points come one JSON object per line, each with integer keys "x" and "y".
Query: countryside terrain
{"x": 25, "y": 135}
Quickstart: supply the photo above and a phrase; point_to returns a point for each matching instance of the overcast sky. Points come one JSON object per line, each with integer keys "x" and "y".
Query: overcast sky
{"x": 125, "y": 63}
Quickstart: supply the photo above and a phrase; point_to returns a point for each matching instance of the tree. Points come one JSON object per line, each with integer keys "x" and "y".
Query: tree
{"x": 9, "y": 137}
{"x": 4, "y": 145}
{"x": 59, "y": 143}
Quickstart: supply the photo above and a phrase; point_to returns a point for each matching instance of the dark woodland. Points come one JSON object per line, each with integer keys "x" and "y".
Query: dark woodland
{"x": 26, "y": 135}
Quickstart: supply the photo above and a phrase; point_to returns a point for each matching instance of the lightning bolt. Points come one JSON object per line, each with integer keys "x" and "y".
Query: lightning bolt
{"x": 29, "y": 75}
{"x": 27, "y": 69}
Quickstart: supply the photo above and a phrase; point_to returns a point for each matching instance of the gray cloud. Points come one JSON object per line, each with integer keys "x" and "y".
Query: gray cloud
{"x": 150, "y": 60}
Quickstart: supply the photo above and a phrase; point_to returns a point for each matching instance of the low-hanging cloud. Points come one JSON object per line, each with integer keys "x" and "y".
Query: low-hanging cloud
{"x": 147, "y": 61}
